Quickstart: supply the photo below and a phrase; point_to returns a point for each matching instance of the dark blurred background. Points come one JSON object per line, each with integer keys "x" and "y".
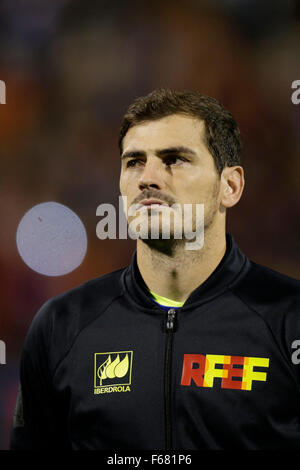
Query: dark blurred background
{"x": 72, "y": 67}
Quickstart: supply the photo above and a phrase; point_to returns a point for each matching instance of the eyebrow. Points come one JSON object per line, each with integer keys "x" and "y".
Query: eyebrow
{"x": 160, "y": 153}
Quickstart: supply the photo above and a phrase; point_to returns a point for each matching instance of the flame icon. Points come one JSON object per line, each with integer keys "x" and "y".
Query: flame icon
{"x": 111, "y": 369}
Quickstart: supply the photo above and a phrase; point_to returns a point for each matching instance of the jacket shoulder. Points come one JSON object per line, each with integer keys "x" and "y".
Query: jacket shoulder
{"x": 275, "y": 297}
{"x": 61, "y": 318}
{"x": 95, "y": 293}
{"x": 263, "y": 288}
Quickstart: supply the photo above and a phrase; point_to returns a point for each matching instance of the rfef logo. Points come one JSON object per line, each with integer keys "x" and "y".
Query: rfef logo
{"x": 236, "y": 372}
{"x": 112, "y": 372}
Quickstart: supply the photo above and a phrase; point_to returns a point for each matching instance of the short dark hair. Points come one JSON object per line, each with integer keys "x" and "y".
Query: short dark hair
{"x": 222, "y": 135}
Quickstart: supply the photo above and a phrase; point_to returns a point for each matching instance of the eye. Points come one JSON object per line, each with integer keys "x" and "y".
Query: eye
{"x": 132, "y": 163}
{"x": 172, "y": 159}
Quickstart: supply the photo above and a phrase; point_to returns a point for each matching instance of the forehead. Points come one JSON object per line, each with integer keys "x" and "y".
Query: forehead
{"x": 174, "y": 130}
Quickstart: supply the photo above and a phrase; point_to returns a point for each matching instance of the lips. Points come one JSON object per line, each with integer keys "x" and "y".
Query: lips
{"x": 149, "y": 202}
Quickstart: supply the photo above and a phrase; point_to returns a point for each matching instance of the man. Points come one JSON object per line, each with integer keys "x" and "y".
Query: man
{"x": 185, "y": 348}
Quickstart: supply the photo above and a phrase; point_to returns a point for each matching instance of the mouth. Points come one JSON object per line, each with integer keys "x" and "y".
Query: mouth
{"x": 153, "y": 202}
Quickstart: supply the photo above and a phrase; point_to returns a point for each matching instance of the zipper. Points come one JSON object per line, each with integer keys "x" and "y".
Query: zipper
{"x": 171, "y": 313}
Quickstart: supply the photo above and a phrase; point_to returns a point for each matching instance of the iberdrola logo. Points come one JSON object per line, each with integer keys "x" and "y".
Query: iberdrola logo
{"x": 112, "y": 372}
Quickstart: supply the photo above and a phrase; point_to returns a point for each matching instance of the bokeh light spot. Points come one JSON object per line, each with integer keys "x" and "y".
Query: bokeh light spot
{"x": 51, "y": 239}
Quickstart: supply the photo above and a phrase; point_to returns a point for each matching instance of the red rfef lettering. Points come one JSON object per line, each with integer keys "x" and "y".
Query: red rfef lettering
{"x": 233, "y": 372}
{"x": 189, "y": 372}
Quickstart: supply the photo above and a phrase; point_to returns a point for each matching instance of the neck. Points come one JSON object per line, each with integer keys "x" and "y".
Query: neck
{"x": 174, "y": 272}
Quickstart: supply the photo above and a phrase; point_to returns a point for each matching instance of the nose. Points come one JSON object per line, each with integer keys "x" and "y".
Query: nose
{"x": 151, "y": 177}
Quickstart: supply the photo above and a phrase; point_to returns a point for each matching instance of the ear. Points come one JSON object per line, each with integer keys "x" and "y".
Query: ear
{"x": 232, "y": 185}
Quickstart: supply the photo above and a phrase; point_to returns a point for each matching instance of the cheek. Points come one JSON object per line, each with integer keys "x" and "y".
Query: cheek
{"x": 129, "y": 181}
{"x": 192, "y": 188}
{"x": 127, "y": 188}
{"x": 198, "y": 189}
{"x": 123, "y": 183}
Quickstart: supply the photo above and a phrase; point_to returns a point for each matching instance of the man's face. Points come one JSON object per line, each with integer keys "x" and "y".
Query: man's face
{"x": 168, "y": 160}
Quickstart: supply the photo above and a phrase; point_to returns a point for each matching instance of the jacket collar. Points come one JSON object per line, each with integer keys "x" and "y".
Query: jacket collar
{"x": 230, "y": 267}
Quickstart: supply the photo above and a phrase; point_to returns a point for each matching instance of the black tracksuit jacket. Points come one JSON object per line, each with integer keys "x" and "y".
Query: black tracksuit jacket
{"x": 104, "y": 367}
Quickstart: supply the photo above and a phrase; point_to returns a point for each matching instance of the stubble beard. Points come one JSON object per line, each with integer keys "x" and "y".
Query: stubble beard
{"x": 171, "y": 245}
